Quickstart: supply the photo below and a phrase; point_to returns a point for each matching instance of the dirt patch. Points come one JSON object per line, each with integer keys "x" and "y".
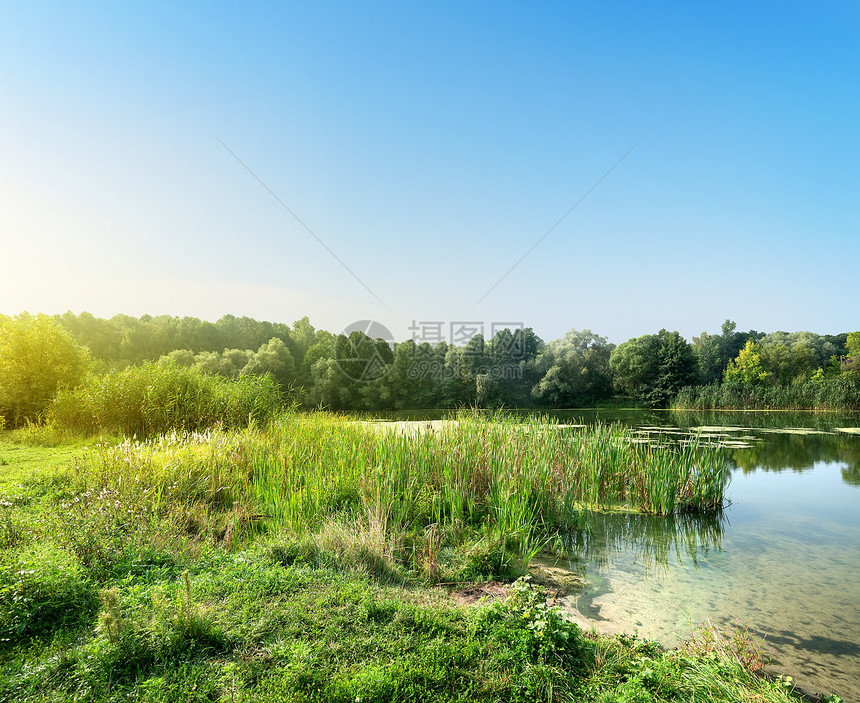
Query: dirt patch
{"x": 475, "y": 592}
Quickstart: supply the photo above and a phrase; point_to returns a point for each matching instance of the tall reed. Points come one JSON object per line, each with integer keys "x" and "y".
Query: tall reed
{"x": 489, "y": 485}
{"x": 827, "y": 394}
{"x": 157, "y": 398}
{"x": 496, "y": 472}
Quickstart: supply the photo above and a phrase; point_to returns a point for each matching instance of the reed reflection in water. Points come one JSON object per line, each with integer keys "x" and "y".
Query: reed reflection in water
{"x": 686, "y": 539}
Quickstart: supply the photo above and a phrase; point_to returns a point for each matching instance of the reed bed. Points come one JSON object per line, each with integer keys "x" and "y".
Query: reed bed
{"x": 482, "y": 494}
{"x": 832, "y": 394}
{"x": 478, "y": 470}
{"x": 504, "y": 482}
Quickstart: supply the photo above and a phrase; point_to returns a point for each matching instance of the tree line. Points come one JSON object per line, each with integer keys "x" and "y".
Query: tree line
{"x": 514, "y": 368}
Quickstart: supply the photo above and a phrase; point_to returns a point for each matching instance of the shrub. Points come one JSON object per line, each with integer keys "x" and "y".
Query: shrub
{"x": 156, "y": 398}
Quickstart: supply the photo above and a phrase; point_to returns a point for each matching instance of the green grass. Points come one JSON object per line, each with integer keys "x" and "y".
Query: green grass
{"x": 478, "y": 498}
{"x": 245, "y": 627}
{"x": 295, "y": 562}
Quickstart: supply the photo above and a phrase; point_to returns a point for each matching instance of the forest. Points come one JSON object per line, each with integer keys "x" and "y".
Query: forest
{"x": 41, "y": 356}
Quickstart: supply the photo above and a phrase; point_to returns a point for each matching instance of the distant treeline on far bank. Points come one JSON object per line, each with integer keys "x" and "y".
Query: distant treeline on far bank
{"x": 41, "y": 354}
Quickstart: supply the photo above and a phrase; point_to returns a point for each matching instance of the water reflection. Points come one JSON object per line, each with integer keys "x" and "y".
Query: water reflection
{"x": 776, "y": 441}
{"x": 798, "y": 452}
{"x": 825, "y": 422}
{"x": 654, "y": 542}
{"x": 851, "y": 475}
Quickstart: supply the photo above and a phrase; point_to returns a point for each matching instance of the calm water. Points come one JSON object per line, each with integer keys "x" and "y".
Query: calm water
{"x": 783, "y": 558}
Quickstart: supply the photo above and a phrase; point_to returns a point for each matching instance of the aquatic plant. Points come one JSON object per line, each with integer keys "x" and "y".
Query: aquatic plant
{"x": 825, "y": 394}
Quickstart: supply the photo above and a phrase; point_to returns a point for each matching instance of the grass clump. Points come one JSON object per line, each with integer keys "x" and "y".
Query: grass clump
{"x": 477, "y": 498}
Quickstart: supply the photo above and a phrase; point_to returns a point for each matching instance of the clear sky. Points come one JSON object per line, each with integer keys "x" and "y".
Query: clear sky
{"x": 429, "y": 146}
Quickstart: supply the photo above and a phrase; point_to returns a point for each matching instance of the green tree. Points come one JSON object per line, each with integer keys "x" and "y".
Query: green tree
{"x": 654, "y": 367}
{"x": 208, "y": 362}
{"x": 180, "y": 357}
{"x": 575, "y": 370}
{"x": 101, "y": 337}
{"x": 676, "y": 368}
{"x": 273, "y": 358}
{"x": 513, "y": 370}
{"x": 459, "y": 387}
{"x": 233, "y": 362}
{"x": 415, "y": 378}
{"x": 302, "y": 337}
{"x": 37, "y": 356}
{"x": 707, "y": 348}
{"x": 851, "y": 364}
{"x": 634, "y": 365}
{"x": 329, "y": 387}
{"x": 748, "y": 367}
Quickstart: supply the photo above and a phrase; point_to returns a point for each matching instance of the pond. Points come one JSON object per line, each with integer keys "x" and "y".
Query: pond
{"x": 783, "y": 558}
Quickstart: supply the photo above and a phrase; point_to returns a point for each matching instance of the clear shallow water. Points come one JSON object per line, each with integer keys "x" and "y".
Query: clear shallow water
{"x": 783, "y": 558}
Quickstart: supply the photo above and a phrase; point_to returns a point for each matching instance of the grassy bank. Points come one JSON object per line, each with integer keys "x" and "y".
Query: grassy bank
{"x": 296, "y": 561}
{"x": 247, "y": 627}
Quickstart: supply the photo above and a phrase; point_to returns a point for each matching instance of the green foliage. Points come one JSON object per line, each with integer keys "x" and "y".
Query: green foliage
{"x": 707, "y": 348}
{"x": 748, "y": 367}
{"x": 157, "y": 398}
{"x": 272, "y": 358}
{"x": 851, "y": 364}
{"x": 653, "y": 368}
{"x": 514, "y": 369}
{"x": 535, "y": 632}
{"x": 37, "y": 357}
{"x": 634, "y": 365}
{"x": 42, "y": 589}
{"x": 575, "y": 370}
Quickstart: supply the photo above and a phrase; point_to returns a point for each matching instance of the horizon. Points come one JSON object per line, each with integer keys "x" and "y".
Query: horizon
{"x": 619, "y": 168}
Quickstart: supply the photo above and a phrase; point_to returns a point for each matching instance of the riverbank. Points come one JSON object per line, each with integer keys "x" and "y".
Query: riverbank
{"x": 145, "y": 571}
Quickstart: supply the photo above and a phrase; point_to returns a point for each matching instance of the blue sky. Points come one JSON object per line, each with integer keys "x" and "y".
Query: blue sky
{"x": 429, "y": 146}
